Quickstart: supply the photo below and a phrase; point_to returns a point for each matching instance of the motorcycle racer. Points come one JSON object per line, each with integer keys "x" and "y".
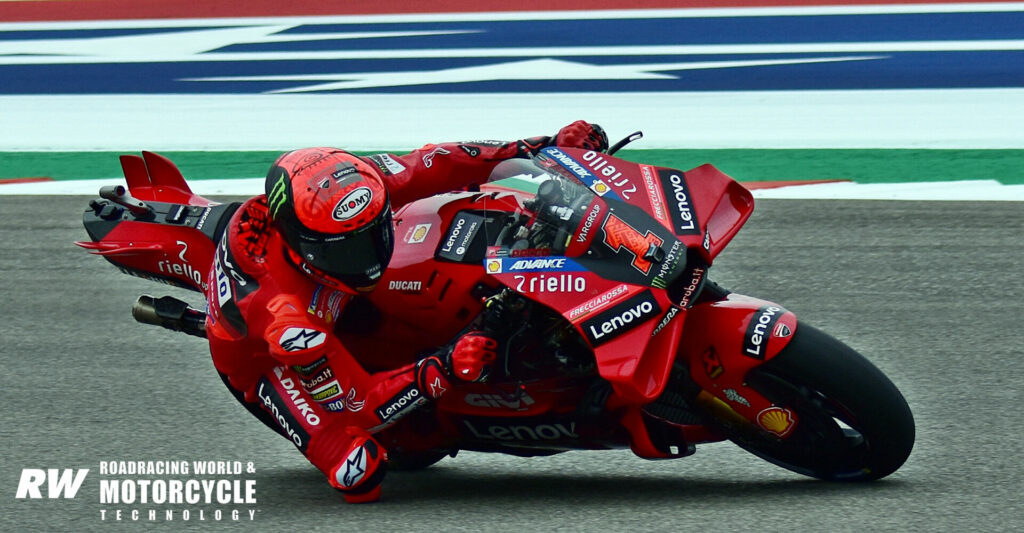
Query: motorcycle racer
{"x": 292, "y": 259}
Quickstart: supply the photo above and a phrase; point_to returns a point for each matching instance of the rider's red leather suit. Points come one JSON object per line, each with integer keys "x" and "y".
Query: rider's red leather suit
{"x": 269, "y": 324}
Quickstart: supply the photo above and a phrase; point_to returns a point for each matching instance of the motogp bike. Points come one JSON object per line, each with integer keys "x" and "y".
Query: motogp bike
{"x": 594, "y": 273}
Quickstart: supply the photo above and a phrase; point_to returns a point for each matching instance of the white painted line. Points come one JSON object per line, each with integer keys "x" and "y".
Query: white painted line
{"x": 954, "y": 118}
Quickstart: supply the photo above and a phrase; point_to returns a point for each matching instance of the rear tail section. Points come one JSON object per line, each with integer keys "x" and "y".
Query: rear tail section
{"x": 152, "y": 177}
{"x": 157, "y": 229}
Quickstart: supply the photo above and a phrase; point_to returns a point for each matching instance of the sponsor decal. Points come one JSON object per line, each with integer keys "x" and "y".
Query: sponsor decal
{"x": 428, "y": 159}
{"x": 334, "y": 303}
{"x": 518, "y": 402}
{"x": 400, "y": 285}
{"x": 584, "y": 232}
{"x": 348, "y": 403}
{"x": 667, "y": 266}
{"x": 757, "y": 331}
{"x": 471, "y": 151}
{"x": 777, "y": 420}
{"x": 499, "y": 251}
{"x": 311, "y": 383}
{"x": 202, "y": 218}
{"x": 387, "y": 164}
{"x": 541, "y": 432}
{"x": 546, "y": 264}
{"x": 580, "y": 172}
{"x": 325, "y": 303}
{"x": 296, "y": 397}
{"x": 274, "y": 404}
{"x": 734, "y": 396}
{"x": 400, "y": 404}
{"x": 343, "y": 169}
{"x": 696, "y": 275}
{"x": 621, "y": 318}
{"x": 782, "y": 331}
{"x": 460, "y": 235}
{"x": 417, "y": 234}
{"x": 436, "y": 388}
{"x": 671, "y": 314}
{"x": 231, "y": 284}
{"x": 182, "y": 268}
{"x": 310, "y": 369}
{"x": 355, "y": 467}
{"x": 352, "y": 204}
{"x": 278, "y": 194}
{"x": 684, "y": 219}
{"x": 686, "y": 299}
{"x": 597, "y": 302}
{"x": 351, "y": 403}
{"x": 343, "y": 175}
{"x": 314, "y": 300}
{"x": 609, "y": 173}
{"x": 295, "y": 339}
{"x": 618, "y": 235}
{"x": 712, "y": 363}
{"x": 329, "y": 391}
{"x": 655, "y": 195}
{"x": 538, "y": 283}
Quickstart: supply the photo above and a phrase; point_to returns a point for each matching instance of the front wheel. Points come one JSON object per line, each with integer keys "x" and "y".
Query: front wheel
{"x": 852, "y": 422}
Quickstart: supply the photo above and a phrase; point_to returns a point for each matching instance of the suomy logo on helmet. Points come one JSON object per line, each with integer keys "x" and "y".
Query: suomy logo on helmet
{"x": 353, "y": 203}
{"x": 278, "y": 194}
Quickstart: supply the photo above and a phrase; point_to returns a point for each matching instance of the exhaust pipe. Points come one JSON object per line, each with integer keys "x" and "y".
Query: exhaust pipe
{"x": 171, "y": 313}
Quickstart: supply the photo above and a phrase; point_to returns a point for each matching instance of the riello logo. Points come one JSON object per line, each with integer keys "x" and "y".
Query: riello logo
{"x": 58, "y": 483}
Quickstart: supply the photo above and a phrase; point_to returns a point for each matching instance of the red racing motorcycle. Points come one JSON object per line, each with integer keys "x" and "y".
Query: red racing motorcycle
{"x": 593, "y": 272}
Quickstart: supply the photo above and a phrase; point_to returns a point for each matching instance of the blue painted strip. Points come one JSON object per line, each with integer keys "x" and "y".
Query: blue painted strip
{"x": 909, "y": 70}
{"x": 634, "y": 73}
{"x": 660, "y": 31}
{"x": 615, "y": 32}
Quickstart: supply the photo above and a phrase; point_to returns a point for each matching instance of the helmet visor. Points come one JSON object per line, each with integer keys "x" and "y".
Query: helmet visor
{"x": 357, "y": 259}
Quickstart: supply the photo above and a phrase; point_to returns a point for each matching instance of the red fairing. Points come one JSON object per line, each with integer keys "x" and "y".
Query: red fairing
{"x": 175, "y": 254}
{"x": 153, "y": 177}
{"x": 724, "y": 340}
{"x": 703, "y": 207}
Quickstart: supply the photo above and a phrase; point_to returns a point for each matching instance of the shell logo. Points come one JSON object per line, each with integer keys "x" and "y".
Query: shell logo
{"x": 418, "y": 234}
{"x": 600, "y": 188}
{"x": 777, "y": 420}
{"x": 493, "y": 266}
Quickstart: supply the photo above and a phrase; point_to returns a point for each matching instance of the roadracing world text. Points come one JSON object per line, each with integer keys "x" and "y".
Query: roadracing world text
{"x": 154, "y": 490}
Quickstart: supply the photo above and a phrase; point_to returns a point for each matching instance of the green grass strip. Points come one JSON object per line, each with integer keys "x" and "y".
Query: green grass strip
{"x": 863, "y": 166}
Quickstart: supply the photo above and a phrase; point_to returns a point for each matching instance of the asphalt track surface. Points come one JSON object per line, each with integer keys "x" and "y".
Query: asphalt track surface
{"x": 929, "y": 291}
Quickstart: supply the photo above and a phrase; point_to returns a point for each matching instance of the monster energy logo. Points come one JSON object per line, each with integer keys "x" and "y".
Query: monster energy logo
{"x": 278, "y": 194}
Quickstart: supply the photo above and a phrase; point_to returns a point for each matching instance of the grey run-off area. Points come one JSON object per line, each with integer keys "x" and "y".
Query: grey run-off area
{"x": 931, "y": 292}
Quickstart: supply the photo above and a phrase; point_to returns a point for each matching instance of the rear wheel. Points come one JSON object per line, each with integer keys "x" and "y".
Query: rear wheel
{"x": 852, "y": 422}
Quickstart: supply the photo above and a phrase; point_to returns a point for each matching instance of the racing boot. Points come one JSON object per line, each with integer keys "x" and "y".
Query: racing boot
{"x": 359, "y": 474}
